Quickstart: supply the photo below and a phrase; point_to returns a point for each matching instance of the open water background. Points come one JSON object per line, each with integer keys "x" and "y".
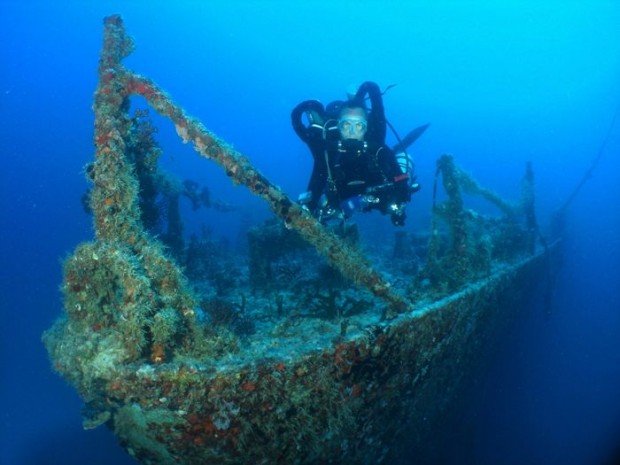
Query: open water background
{"x": 501, "y": 83}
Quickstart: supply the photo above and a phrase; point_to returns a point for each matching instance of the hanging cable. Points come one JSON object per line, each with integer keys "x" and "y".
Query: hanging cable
{"x": 588, "y": 174}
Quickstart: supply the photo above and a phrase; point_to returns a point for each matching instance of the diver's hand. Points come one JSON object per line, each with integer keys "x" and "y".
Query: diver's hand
{"x": 304, "y": 198}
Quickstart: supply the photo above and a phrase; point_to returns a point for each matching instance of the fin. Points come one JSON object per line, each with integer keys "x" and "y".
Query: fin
{"x": 410, "y": 138}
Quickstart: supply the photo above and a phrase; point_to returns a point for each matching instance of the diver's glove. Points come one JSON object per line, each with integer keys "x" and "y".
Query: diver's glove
{"x": 414, "y": 185}
{"x": 362, "y": 203}
{"x": 304, "y": 198}
{"x": 327, "y": 214}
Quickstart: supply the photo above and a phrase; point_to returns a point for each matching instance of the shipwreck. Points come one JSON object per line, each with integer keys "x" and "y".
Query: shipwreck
{"x": 279, "y": 364}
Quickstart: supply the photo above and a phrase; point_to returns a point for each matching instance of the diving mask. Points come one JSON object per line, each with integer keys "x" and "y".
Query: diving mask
{"x": 352, "y": 127}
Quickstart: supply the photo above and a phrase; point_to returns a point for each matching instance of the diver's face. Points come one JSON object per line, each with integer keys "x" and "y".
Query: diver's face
{"x": 352, "y": 124}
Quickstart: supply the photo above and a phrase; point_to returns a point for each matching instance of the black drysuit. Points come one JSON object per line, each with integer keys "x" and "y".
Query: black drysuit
{"x": 348, "y": 168}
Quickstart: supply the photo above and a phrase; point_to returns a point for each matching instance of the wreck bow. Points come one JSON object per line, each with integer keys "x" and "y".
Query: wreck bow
{"x": 178, "y": 390}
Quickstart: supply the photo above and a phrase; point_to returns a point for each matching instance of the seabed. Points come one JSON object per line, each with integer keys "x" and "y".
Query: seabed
{"x": 297, "y": 352}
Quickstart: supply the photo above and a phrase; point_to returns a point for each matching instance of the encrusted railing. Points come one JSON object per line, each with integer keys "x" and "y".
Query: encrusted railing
{"x": 474, "y": 239}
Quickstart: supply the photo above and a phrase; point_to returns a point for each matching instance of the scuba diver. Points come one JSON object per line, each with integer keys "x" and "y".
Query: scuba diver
{"x": 354, "y": 170}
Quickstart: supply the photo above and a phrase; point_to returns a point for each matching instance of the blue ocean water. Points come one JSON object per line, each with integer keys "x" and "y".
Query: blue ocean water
{"x": 501, "y": 83}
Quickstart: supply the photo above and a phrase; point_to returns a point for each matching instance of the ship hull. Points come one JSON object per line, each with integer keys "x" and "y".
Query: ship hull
{"x": 362, "y": 401}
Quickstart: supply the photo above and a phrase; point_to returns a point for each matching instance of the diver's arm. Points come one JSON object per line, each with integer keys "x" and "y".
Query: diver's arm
{"x": 394, "y": 174}
{"x": 388, "y": 163}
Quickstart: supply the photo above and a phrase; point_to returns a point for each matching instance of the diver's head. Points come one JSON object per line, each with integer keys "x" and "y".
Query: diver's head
{"x": 352, "y": 123}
